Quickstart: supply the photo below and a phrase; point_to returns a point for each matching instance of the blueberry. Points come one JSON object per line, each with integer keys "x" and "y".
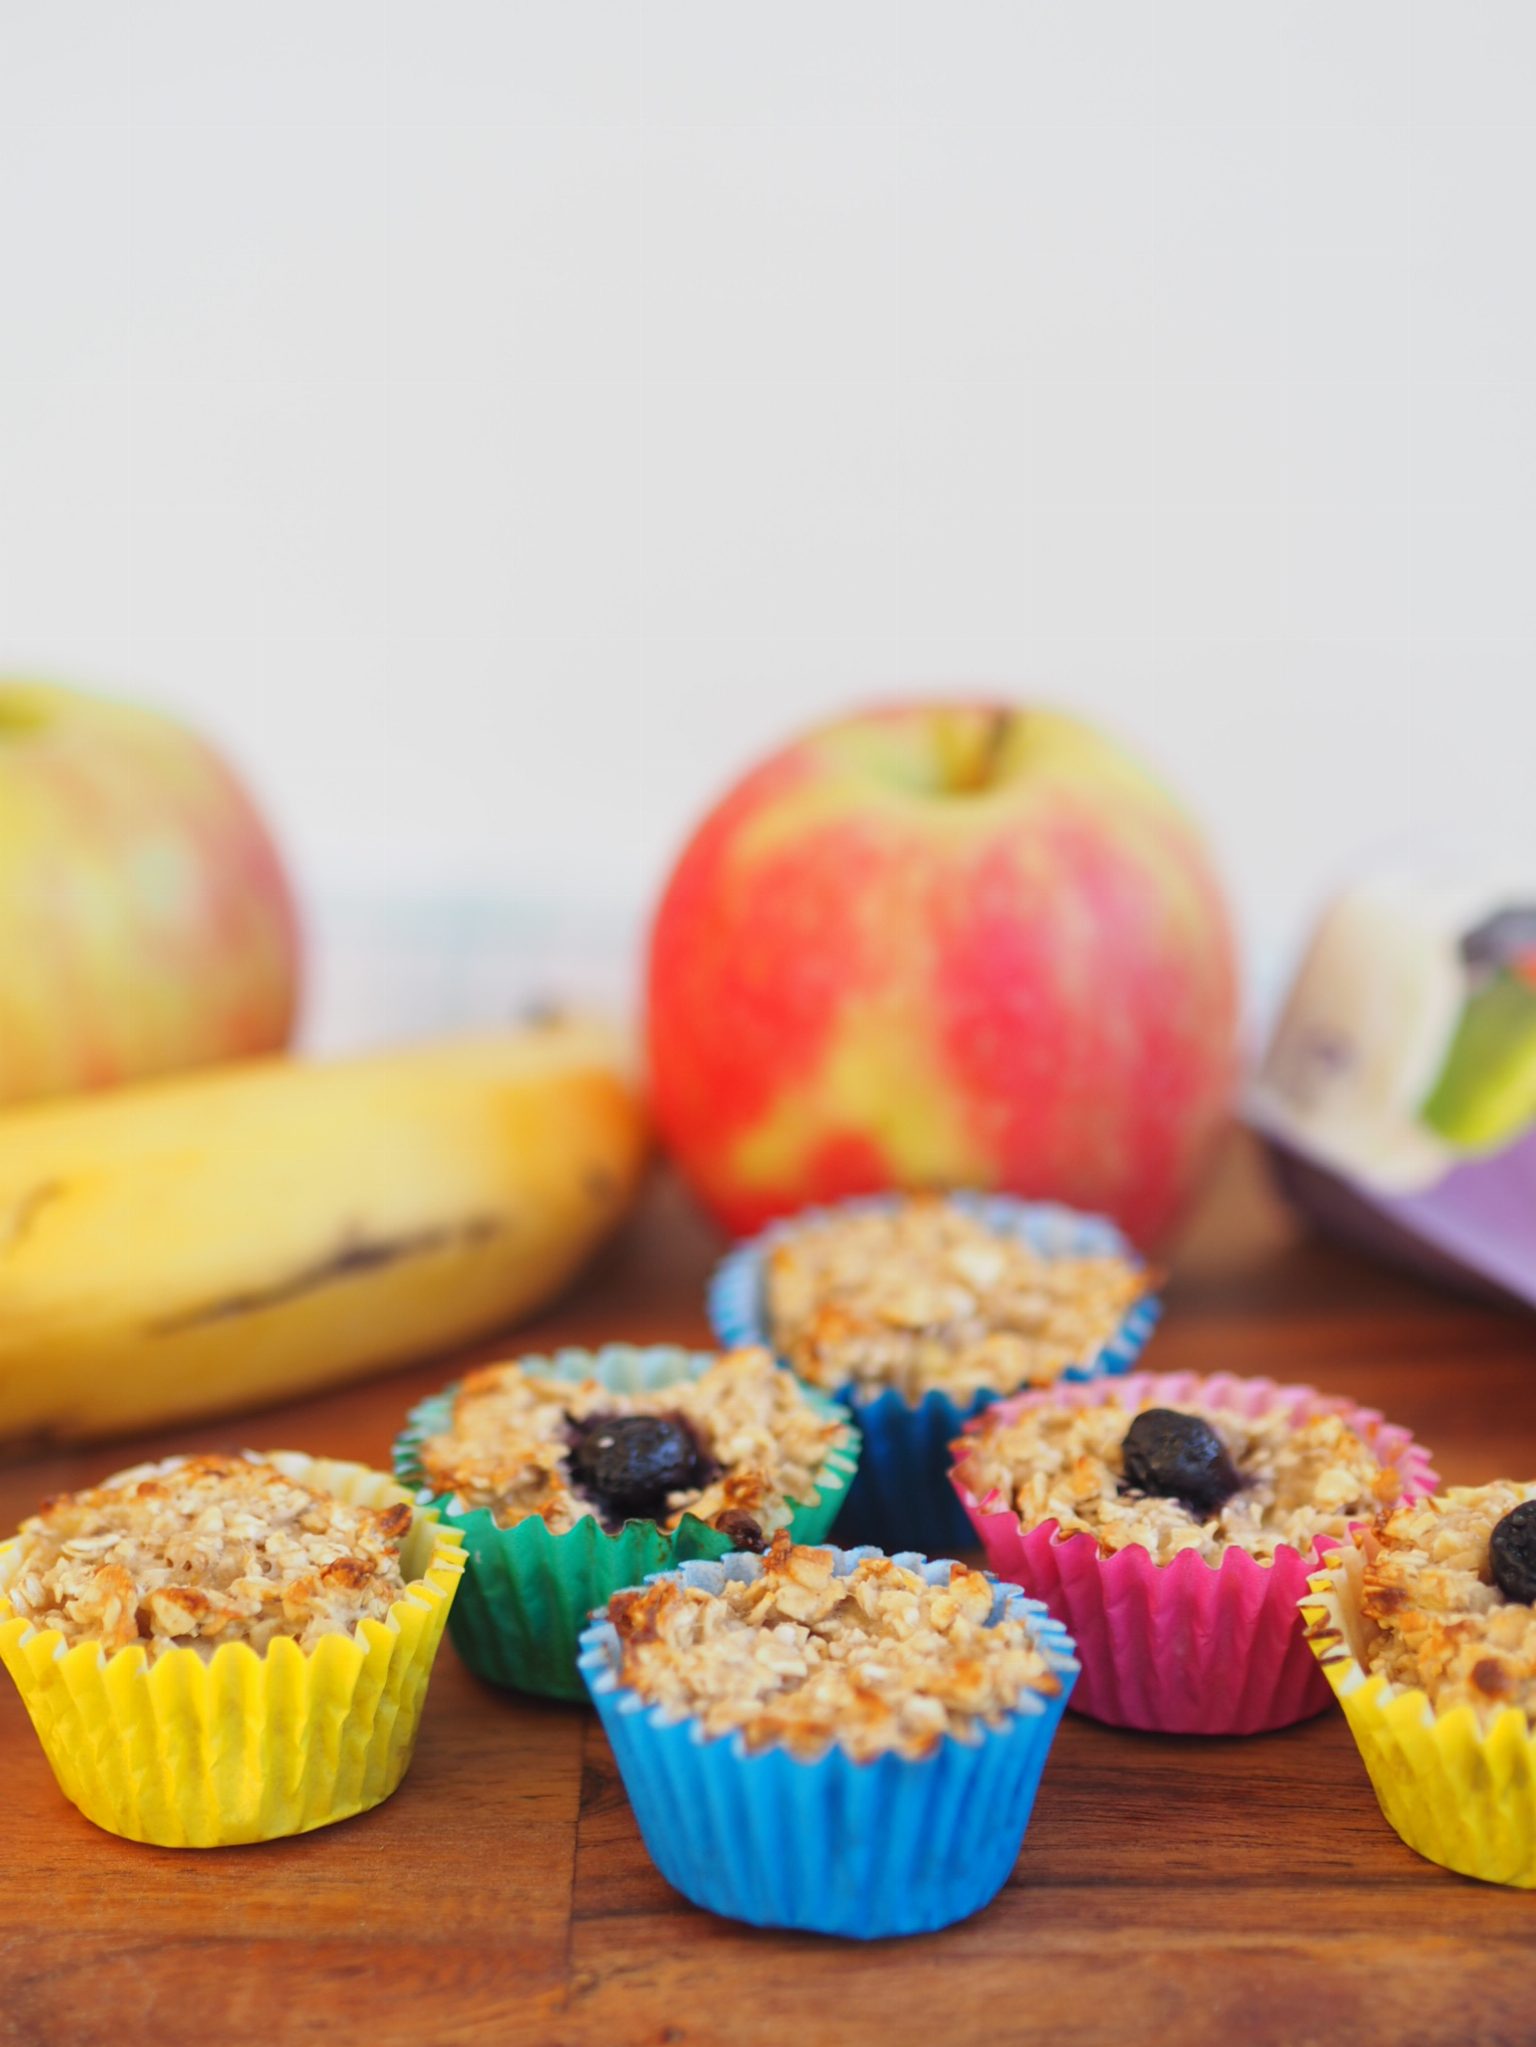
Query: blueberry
{"x": 1512, "y": 1553}
{"x": 1180, "y": 1457}
{"x": 745, "y": 1533}
{"x": 628, "y": 1463}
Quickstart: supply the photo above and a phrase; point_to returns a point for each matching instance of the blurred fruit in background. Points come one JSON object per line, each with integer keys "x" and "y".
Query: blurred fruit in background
{"x": 145, "y": 920}
{"x": 944, "y": 944}
{"x": 206, "y": 1244}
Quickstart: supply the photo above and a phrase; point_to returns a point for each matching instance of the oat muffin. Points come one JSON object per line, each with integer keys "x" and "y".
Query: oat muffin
{"x": 925, "y": 1295}
{"x": 1169, "y": 1479}
{"x": 575, "y": 1475}
{"x": 1425, "y": 1628}
{"x": 1170, "y": 1522}
{"x": 227, "y": 1649}
{"x": 876, "y": 1659}
{"x": 809, "y": 1737}
{"x": 207, "y": 1550}
{"x": 1448, "y": 1597}
{"x": 733, "y": 1447}
{"x": 923, "y": 1309}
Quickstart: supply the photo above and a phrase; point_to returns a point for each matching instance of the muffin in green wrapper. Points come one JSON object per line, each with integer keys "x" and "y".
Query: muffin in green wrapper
{"x": 575, "y": 1475}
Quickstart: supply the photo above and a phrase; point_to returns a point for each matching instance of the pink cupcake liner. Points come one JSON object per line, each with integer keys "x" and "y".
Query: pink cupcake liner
{"x": 1185, "y": 1647}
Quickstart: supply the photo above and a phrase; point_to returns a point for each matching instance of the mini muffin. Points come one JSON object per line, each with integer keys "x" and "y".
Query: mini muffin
{"x": 808, "y": 1737}
{"x": 921, "y": 1310}
{"x": 1170, "y": 1522}
{"x": 1425, "y": 1626}
{"x": 573, "y": 1476}
{"x": 222, "y": 1649}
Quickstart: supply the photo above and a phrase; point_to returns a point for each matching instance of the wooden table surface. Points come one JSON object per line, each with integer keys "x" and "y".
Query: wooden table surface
{"x": 1177, "y": 1891}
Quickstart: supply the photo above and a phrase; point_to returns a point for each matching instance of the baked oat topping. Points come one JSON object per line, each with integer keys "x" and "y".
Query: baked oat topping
{"x": 924, "y": 1296}
{"x": 877, "y": 1660}
{"x": 204, "y": 1550}
{"x": 1436, "y": 1619}
{"x": 1297, "y": 1479}
{"x": 742, "y": 1445}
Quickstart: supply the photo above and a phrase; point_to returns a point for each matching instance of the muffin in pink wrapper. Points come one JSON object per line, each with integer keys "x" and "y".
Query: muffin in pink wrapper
{"x": 1171, "y": 1521}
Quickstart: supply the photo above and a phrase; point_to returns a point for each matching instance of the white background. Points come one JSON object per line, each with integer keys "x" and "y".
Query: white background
{"x": 499, "y": 423}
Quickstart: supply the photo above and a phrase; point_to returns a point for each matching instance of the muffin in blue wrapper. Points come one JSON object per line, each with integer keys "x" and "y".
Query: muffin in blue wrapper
{"x": 902, "y": 1497}
{"x": 528, "y": 1591}
{"x": 892, "y": 1844}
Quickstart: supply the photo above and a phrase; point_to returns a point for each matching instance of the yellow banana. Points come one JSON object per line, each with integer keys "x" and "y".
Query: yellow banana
{"x": 199, "y": 1245}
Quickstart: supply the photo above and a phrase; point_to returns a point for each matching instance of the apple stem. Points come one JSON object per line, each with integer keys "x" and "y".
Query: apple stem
{"x": 975, "y": 767}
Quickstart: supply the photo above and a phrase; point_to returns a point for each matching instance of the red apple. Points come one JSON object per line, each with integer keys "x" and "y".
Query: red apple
{"x": 145, "y": 921}
{"x": 944, "y": 945}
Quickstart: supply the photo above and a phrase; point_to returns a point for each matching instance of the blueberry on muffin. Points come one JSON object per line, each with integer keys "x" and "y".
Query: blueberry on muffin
{"x": 1170, "y": 1479}
{"x": 574, "y": 1475}
{"x": 734, "y": 1447}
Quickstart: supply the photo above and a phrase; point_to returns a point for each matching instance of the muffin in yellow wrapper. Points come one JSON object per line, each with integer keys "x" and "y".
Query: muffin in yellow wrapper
{"x": 1458, "y": 1793}
{"x": 188, "y": 1752}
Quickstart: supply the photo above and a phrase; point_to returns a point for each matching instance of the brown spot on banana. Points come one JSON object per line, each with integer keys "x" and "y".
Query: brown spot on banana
{"x": 17, "y": 1226}
{"x": 354, "y": 1257}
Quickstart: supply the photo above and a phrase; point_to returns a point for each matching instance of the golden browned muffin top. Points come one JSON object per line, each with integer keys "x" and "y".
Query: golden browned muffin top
{"x": 1437, "y": 1619}
{"x": 876, "y": 1660}
{"x": 923, "y": 1296}
{"x": 736, "y": 1447}
{"x": 199, "y": 1551}
{"x": 1299, "y": 1478}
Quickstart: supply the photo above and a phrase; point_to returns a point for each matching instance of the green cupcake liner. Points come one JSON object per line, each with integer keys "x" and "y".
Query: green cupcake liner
{"x": 526, "y": 1594}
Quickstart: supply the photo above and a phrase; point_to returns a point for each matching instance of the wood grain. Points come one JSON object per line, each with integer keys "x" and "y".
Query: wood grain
{"x": 1177, "y": 1892}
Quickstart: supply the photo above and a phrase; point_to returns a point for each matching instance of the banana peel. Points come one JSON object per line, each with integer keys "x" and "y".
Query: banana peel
{"x": 239, "y": 1236}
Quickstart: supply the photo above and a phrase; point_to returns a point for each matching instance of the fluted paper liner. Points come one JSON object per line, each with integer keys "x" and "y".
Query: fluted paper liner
{"x": 901, "y": 1497}
{"x": 1457, "y": 1793}
{"x": 245, "y": 1745}
{"x": 1187, "y": 1646}
{"x": 864, "y": 1849}
{"x": 527, "y": 1594}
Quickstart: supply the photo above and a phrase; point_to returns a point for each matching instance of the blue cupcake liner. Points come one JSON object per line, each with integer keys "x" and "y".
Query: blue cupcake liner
{"x": 902, "y": 1496}
{"x": 526, "y": 1594}
{"x": 864, "y": 1849}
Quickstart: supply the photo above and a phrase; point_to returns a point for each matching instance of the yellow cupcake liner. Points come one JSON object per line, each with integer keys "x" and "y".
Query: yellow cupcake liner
{"x": 243, "y": 1746}
{"x": 1458, "y": 1792}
